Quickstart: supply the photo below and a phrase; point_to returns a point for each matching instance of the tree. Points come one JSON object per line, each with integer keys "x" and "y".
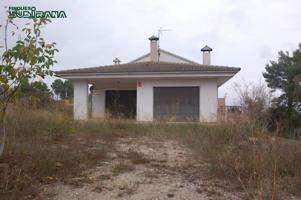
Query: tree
{"x": 254, "y": 98}
{"x": 29, "y": 58}
{"x": 35, "y": 93}
{"x": 69, "y": 89}
{"x": 284, "y": 75}
{"x": 63, "y": 89}
{"x": 58, "y": 88}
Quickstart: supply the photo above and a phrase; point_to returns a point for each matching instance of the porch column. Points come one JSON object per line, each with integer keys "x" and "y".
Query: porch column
{"x": 98, "y": 103}
{"x": 208, "y": 101}
{"x": 80, "y": 106}
{"x": 144, "y": 101}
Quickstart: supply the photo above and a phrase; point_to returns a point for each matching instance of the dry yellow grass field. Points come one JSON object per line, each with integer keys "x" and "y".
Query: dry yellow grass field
{"x": 50, "y": 156}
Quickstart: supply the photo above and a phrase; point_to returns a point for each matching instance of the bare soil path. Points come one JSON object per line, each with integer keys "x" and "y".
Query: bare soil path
{"x": 144, "y": 169}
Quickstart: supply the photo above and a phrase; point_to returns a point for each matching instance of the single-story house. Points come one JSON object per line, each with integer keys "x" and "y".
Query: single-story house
{"x": 157, "y": 86}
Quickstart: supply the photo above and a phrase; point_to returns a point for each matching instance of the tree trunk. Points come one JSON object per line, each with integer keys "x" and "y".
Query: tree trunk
{"x": 290, "y": 114}
{"x": 2, "y": 136}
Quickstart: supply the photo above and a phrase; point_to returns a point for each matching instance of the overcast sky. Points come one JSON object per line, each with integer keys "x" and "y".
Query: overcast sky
{"x": 242, "y": 33}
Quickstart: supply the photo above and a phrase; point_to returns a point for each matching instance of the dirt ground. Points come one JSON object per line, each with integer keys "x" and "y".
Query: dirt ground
{"x": 144, "y": 169}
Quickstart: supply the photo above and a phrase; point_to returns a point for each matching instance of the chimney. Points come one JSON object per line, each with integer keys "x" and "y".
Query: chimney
{"x": 154, "y": 51}
{"x": 206, "y": 55}
{"x": 116, "y": 61}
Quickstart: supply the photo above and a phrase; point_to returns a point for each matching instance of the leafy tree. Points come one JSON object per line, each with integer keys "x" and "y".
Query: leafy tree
{"x": 28, "y": 58}
{"x": 63, "y": 89}
{"x": 58, "y": 88}
{"x": 69, "y": 89}
{"x": 284, "y": 75}
{"x": 35, "y": 93}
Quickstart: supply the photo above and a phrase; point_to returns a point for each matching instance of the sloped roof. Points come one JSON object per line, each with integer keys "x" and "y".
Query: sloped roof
{"x": 149, "y": 67}
{"x": 166, "y": 52}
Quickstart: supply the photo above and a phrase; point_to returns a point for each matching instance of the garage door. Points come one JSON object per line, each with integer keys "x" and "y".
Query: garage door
{"x": 176, "y": 103}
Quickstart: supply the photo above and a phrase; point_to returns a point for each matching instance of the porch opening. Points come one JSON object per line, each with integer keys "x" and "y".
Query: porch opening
{"x": 121, "y": 103}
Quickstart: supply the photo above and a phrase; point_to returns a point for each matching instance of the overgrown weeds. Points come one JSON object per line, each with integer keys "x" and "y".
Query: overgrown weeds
{"x": 122, "y": 167}
{"x": 44, "y": 147}
{"x": 244, "y": 152}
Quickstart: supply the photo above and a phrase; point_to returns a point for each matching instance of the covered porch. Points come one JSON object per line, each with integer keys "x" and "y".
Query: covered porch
{"x": 100, "y": 98}
{"x": 146, "y": 99}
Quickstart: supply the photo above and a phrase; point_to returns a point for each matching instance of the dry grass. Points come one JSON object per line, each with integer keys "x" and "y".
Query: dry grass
{"x": 44, "y": 147}
{"x": 128, "y": 189}
{"x": 122, "y": 167}
{"x": 136, "y": 158}
{"x": 243, "y": 152}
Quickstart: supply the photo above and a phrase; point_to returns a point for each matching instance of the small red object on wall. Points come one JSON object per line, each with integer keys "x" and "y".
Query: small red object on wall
{"x": 139, "y": 84}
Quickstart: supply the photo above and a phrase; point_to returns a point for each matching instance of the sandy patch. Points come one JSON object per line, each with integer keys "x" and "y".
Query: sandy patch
{"x": 163, "y": 170}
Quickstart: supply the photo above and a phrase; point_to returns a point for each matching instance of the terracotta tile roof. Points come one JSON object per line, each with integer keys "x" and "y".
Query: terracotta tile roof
{"x": 149, "y": 67}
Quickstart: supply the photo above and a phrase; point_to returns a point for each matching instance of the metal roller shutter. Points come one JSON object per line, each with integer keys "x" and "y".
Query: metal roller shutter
{"x": 176, "y": 103}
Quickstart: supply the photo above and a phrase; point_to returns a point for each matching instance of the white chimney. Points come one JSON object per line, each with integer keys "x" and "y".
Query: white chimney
{"x": 206, "y": 55}
{"x": 154, "y": 51}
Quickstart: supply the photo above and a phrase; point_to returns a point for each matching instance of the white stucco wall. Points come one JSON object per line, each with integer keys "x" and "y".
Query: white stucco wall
{"x": 208, "y": 97}
{"x": 80, "y": 107}
{"x": 98, "y": 103}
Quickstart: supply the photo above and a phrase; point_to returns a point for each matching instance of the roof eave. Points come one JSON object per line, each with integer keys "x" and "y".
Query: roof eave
{"x": 203, "y": 74}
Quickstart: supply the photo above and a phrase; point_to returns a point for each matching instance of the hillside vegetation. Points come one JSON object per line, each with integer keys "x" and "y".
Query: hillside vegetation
{"x": 47, "y": 146}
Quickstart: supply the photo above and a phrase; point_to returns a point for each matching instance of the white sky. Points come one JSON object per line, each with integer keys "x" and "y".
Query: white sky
{"x": 242, "y": 33}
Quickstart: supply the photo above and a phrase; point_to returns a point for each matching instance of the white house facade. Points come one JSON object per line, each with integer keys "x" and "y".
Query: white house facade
{"x": 157, "y": 86}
